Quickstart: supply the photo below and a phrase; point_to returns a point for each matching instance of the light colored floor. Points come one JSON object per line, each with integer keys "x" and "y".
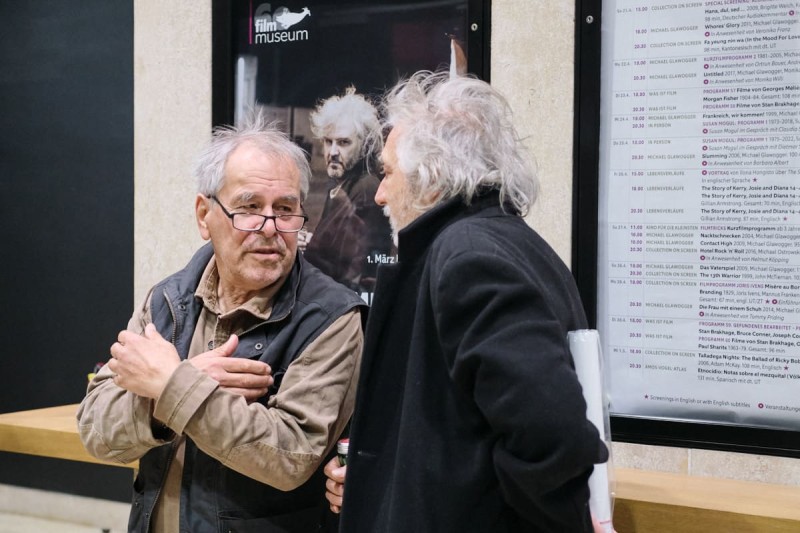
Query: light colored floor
{"x": 24, "y": 510}
{"x": 13, "y": 523}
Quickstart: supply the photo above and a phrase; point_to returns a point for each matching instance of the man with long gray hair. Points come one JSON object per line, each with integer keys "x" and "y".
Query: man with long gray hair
{"x": 352, "y": 236}
{"x": 469, "y": 415}
{"x": 236, "y": 376}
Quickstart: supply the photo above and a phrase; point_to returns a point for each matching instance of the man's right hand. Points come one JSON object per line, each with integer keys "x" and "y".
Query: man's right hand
{"x": 245, "y": 377}
{"x": 334, "y": 486}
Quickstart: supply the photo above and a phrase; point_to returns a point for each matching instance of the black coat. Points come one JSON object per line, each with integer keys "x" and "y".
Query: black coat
{"x": 469, "y": 415}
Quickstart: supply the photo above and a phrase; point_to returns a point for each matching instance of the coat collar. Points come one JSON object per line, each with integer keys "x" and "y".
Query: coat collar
{"x": 417, "y": 236}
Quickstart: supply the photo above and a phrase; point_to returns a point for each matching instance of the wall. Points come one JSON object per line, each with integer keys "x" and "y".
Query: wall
{"x": 532, "y": 64}
{"x": 66, "y": 213}
{"x": 172, "y": 117}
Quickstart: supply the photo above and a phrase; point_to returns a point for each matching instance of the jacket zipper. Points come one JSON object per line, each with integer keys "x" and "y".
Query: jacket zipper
{"x": 174, "y": 317}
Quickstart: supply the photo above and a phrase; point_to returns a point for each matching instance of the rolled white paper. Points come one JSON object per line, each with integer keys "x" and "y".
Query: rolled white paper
{"x": 585, "y": 347}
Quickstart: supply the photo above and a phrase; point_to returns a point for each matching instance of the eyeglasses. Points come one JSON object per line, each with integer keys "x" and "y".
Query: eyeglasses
{"x": 254, "y": 222}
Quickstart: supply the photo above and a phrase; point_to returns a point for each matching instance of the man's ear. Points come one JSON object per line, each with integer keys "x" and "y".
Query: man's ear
{"x": 202, "y": 209}
{"x": 430, "y": 198}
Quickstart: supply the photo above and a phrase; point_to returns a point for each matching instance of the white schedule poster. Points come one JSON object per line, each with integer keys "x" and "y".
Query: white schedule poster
{"x": 699, "y": 218}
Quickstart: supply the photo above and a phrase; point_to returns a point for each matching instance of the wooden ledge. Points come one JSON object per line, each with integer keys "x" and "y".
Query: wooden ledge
{"x": 646, "y": 502}
{"x": 660, "y": 502}
{"x": 49, "y": 432}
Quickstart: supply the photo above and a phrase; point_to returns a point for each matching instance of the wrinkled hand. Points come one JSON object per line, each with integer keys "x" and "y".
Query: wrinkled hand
{"x": 143, "y": 363}
{"x": 334, "y": 485}
{"x": 245, "y": 377}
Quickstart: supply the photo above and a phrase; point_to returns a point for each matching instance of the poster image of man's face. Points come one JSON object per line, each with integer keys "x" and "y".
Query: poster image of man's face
{"x": 342, "y": 149}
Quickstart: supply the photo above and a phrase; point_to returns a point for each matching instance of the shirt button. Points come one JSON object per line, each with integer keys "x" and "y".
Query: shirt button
{"x": 259, "y": 346}
{"x": 210, "y": 345}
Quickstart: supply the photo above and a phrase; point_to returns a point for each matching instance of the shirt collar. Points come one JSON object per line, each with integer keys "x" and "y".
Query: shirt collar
{"x": 258, "y": 306}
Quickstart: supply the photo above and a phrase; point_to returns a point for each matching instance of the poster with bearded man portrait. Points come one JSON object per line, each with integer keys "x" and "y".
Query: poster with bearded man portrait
{"x": 319, "y": 70}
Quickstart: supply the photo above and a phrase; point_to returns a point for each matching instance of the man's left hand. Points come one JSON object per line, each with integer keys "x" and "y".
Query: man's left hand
{"x": 143, "y": 363}
{"x": 244, "y": 377}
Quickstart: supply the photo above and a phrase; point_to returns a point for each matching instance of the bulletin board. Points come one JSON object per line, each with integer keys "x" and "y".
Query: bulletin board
{"x": 686, "y": 240}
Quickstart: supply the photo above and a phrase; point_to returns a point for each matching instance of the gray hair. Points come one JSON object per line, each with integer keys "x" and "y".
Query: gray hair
{"x": 352, "y": 109}
{"x": 458, "y": 138}
{"x": 254, "y": 128}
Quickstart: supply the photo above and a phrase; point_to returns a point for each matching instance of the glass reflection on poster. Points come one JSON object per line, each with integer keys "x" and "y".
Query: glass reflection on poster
{"x": 319, "y": 69}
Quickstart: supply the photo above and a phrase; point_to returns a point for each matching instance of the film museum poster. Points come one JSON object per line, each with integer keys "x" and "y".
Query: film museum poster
{"x": 292, "y": 56}
{"x": 699, "y": 254}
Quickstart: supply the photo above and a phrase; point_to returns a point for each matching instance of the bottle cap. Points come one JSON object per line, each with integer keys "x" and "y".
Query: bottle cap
{"x": 342, "y": 446}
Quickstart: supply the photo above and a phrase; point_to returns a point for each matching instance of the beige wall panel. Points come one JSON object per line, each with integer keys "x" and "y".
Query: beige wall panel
{"x": 533, "y": 66}
{"x": 657, "y": 458}
{"x": 172, "y": 119}
{"x": 746, "y": 467}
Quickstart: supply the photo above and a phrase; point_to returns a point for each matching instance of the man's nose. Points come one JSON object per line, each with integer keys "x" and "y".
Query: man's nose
{"x": 380, "y": 194}
{"x": 334, "y": 149}
{"x": 269, "y": 229}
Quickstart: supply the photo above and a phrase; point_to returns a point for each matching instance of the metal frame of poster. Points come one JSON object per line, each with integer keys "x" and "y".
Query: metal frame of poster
{"x": 290, "y": 57}
{"x": 707, "y": 83}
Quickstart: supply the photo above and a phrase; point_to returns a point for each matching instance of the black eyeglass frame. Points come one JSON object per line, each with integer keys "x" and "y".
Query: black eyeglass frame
{"x": 265, "y": 218}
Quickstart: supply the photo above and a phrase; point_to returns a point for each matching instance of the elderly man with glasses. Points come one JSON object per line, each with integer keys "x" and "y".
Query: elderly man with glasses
{"x": 236, "y": 376}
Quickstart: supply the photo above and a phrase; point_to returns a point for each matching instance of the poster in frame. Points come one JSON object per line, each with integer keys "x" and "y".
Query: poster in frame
{"x": 289, "y": 58}
{"x": 687, "y": 62}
